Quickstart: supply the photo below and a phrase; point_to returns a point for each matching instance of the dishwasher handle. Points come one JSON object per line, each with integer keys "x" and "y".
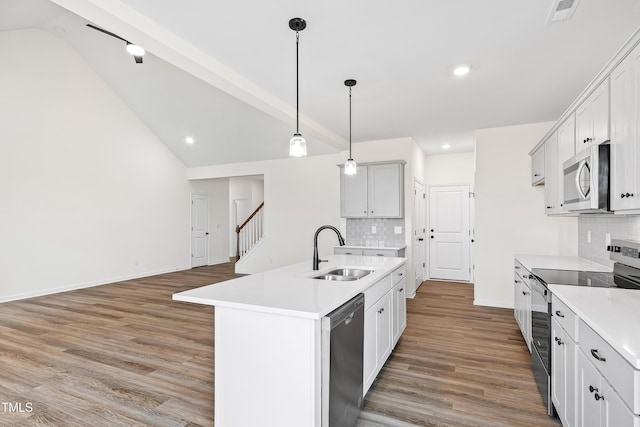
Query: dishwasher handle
{"x": 346, "y": 312}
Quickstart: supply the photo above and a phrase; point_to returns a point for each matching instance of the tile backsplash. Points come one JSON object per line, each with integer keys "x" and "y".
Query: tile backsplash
{"x": 360, "y": 232}
{"x": 618, "y": 227}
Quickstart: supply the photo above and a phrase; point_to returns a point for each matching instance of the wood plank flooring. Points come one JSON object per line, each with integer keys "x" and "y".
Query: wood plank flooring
{"x": 125, "y": 354}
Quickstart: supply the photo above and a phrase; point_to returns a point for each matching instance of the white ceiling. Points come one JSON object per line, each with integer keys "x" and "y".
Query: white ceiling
{"x": 241, "y": 107}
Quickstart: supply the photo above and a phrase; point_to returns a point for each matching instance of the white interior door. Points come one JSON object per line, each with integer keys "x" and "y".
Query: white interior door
{"x": 419, "y": 233}
{"x": 199, "y": 229}
{"x": 449, "y": 236}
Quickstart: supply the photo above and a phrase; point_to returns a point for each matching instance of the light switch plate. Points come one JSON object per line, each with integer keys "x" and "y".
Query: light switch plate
{"x": 374, "y": 229}
{"x": 397, "y": 229}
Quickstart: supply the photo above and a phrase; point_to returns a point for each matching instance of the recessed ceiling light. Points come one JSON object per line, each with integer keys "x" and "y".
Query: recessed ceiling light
{"x": 462, "y": 70}
{"x": 189, "y": 140}
{"x": 446, "y": 146}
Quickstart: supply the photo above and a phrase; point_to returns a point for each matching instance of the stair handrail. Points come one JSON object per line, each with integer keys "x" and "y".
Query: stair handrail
{"x": 240, "y": 227}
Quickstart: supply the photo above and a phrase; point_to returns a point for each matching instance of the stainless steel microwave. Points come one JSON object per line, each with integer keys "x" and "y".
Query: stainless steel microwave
{"x": 586, "y": 180}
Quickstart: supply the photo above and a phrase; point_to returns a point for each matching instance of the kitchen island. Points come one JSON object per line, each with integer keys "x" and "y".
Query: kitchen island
{"x": 268, "y": 341}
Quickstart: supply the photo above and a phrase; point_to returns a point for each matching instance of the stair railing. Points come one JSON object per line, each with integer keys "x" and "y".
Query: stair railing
{"x": 250, "y": 232}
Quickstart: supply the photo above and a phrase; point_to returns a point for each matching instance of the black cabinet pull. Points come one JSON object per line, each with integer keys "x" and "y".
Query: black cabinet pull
{"x": 594, "y": 353}
{"x": 598, "y": 396}
{"x": 401, "y": 290}
{"x": 536, "y": 174}
{"x": 559, "y": 341}
{"x": 622, "y": 196}
{"x": 592, "y": 389}
{"x": 559, "y": 313}
{"x": 517, "y": 267}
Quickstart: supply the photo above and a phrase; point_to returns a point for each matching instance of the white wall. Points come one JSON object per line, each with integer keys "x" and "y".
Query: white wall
{"x": 218, "y": 192}
{"x": 510, "y": 216}
{"x": 445, "y": 169}
{"x": 88, "y": 193}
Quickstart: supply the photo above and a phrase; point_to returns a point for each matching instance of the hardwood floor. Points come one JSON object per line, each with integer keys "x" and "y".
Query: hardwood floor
{"x": 126, "y": 354}
{"x": 456, "y": 365}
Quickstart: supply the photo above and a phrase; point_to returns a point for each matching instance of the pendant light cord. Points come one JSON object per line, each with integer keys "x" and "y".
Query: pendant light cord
{"x": 349, "y": 122}
{"x": 297, "y": 87}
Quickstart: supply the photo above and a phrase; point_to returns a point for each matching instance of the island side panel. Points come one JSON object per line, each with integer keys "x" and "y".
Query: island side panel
{"x": 267, "y": 369}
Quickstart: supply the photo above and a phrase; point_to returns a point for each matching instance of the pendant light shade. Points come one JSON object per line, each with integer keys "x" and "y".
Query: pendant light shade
{"x": 350, "y": 167}
{"x": 297, "y": 144}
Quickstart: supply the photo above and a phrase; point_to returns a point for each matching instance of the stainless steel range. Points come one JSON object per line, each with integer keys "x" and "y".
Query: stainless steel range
{"x": 626, "y": 274}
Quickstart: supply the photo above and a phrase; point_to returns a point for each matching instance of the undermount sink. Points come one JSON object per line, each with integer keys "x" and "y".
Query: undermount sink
{"x": 343, "y": 274}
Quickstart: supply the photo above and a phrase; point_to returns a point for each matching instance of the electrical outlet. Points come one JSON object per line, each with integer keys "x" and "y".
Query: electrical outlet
{"x": 374, "y": 229}
{"x": 397, "y": 229}
{"x": 589, "y": 236}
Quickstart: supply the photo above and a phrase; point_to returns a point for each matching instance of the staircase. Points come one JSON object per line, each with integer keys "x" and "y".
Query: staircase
{"x": 249, "y": 234}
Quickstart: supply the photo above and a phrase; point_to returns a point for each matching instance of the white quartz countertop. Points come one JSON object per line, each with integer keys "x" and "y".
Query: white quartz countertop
{"x": 614, "y": 314}
{"x": 554, "y": 262}
{"x": 392, "y": 247}
{"x": 290, "y": 291}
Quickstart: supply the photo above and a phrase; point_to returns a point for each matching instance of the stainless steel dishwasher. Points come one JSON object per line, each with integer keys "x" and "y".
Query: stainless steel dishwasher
{"x": 342, "y": 347}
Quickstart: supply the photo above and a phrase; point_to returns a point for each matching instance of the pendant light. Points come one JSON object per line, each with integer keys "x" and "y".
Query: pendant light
{"x": 350, "y": 167}
{"x": 297, "y": 144}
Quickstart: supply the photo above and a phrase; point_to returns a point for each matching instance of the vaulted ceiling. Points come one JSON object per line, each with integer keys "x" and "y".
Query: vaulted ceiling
{"x": 224, "y": 72}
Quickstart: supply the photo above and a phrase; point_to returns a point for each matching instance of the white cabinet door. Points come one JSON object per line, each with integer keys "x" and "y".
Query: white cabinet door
{"x": 563, "y": 375}
{"x": 600, "y": 114}
{"x": 369, "y": 362}
{"x": 625, "y": 91}
{"x": 558, "y": 361}
{"x": 588, "y": 385}
{"x": 399, "y": 310}
{"x": 567, "y": 139}
{"x": 537, "y": 166}
{"x": 353, "y": 194}
{"x": 592, "y": 118}
{"x": 385, "y": 190}
{"x": 566, "y": 150}
{"x": 551, "y": 175}
{"x": 377, "y": 339}
{"x": 383, "y": 329}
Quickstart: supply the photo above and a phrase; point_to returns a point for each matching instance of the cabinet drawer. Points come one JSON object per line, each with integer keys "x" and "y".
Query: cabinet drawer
{"x": 522, "y": 272}
{"x": 620, "y": 374}
{"x": 347, "y": 251}
{"x": 380, "y": 252}
{"x": 564, "y": 316}
{"x": 376, "y": 291}
{"x": 398, "y": 274}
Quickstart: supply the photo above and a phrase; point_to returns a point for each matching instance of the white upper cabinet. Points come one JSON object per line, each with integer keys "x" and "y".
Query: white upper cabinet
{"x": 376, "y": 191}
{"x": 537, "y": 166}
{"x": 353, "y": 194}
{"x": 566, "y": 150}
{"x": 551, "y": 176}
{"x": 592, "y": 118}
{"x": 625, "y": 128}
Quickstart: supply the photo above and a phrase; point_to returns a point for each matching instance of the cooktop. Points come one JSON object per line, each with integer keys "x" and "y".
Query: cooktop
{"x": 622, "y": 276}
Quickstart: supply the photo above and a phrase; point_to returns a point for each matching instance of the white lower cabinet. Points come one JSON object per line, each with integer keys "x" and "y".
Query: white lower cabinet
{"x": 399, "y": 310}
{"x": 522, "y": 302}
{"x": 377, "y": 339}
{"x": 599, "y": 405}
{"x": 385, "y": 318}
{"x": 563, "y": 380}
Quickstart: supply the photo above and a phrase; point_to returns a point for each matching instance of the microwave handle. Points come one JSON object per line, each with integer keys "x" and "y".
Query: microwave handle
{"x": 582, "y": 164}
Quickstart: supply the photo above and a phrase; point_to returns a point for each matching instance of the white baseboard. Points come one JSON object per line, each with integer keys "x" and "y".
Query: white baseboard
{"x": 44, "y": 292}
{"x": 492, "y": 303}
{"x": 220, "y": 261}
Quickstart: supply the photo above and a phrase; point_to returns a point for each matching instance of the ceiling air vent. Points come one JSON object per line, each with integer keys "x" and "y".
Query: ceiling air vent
{"x": 562, "y": 10}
